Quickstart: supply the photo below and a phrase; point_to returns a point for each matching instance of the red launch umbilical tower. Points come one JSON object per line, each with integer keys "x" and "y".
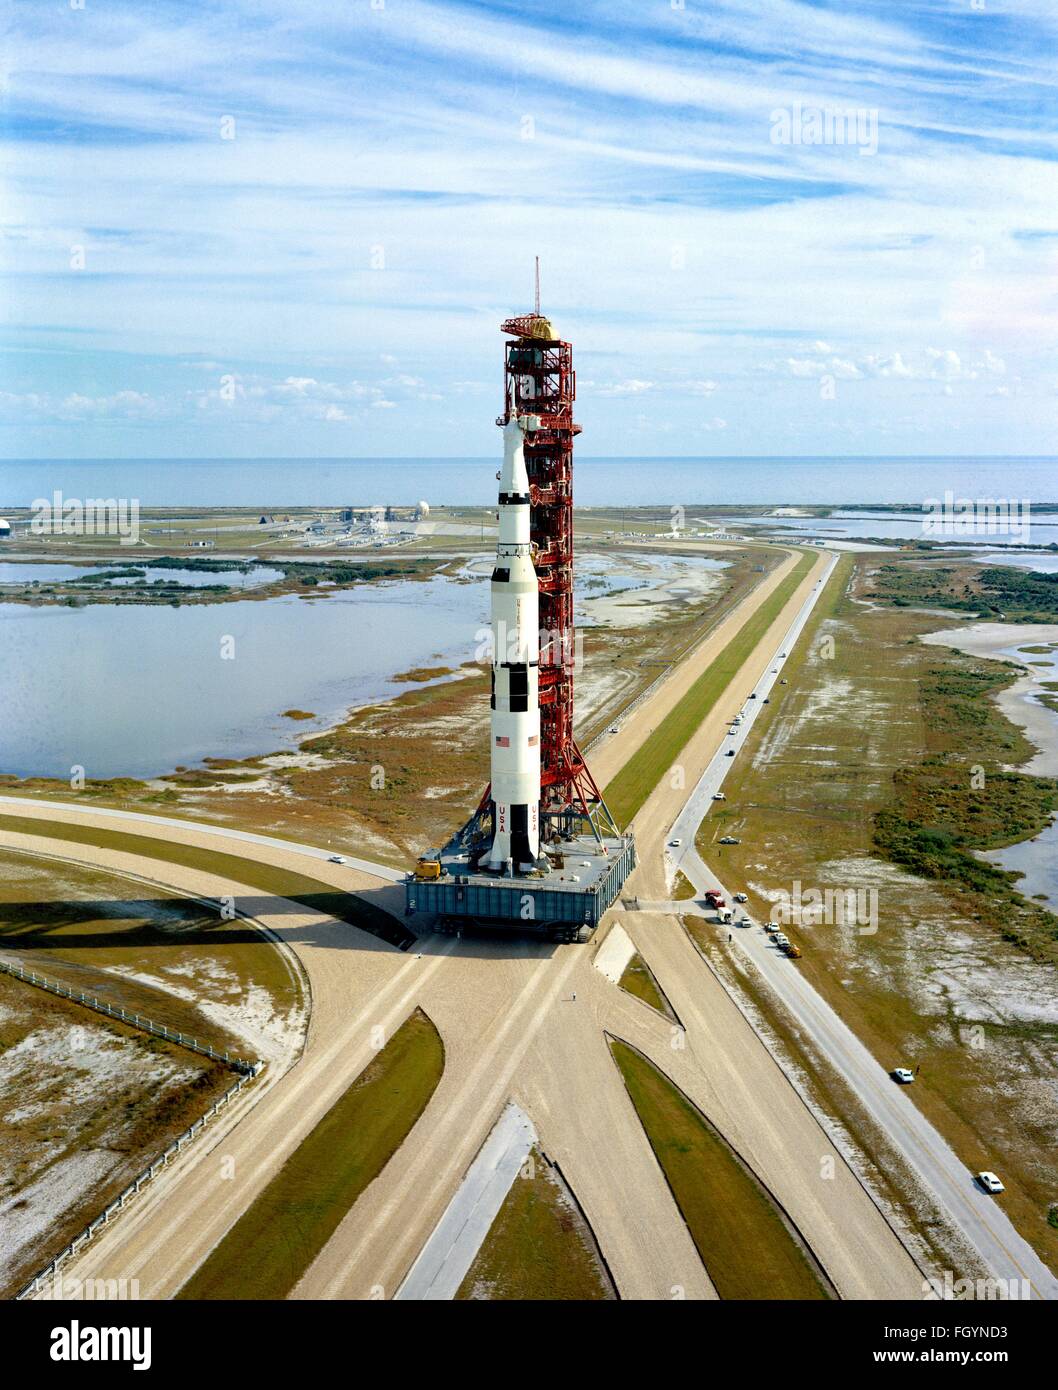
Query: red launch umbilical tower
{"x": 539, "y": 380}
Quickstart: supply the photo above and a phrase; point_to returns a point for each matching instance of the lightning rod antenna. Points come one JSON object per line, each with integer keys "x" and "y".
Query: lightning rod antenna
{"x": 538, "y": 286}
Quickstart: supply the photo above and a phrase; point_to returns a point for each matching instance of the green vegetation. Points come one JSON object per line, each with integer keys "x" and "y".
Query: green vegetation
{"x": 276, "y": 1239}
{"x": 1018, "y": 596}
{"x": 627, "y": 792}
{"x": 638, "y": 979}
{"x": 539, "y": 1248}
{"x": 287, "y": 714}
{"x": 282, "y": 883}
{"x": 867, "y": 706}
{"x": 747, "y": 1244}
{"x": 959, "y": 799}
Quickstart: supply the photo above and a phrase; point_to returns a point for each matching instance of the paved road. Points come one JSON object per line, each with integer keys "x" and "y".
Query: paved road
{"x": 977, "y": 1216}
{"x": 210, "y": 833}
{"x": 446, "y": 1257}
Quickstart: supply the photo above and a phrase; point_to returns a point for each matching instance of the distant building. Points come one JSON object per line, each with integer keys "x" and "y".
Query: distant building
{"x": 5, "y": 529}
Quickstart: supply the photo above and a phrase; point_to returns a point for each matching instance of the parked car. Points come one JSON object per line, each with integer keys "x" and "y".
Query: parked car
{"x": 771, "y": 926}
{"x": 719, "y": 796}
{"x": 741, "y": 898}
{"x": 781, "y": 939}
{"x": 784, "y": 681}
{"x": 729, "y": 840}
{"x": 903, "y": 1075}
{"x": 990, "y": 1182}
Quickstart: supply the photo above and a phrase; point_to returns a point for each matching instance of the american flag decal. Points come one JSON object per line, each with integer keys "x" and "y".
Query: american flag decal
{"x": 533, "y": 740}
{"x": 502, "y": 741}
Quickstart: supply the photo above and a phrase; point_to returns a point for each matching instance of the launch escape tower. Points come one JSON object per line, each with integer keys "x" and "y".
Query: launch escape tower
{"x": 541, "y": 851}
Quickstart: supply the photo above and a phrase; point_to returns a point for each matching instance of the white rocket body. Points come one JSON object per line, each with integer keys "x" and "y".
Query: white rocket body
{"x": 515, "y": 724}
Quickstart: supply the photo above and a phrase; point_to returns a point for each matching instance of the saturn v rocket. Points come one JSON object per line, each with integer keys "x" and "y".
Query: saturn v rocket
{"x": 515, "y": 722}
{"x": 541, "y": 792}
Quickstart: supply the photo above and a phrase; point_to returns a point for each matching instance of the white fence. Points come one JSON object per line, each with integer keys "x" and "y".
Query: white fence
{"x": 247, "y": 1071}
{"x": 91, "y": 1001}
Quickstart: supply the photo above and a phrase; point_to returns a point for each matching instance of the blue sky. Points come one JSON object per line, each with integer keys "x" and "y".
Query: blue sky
{"x": 293, "y": 228}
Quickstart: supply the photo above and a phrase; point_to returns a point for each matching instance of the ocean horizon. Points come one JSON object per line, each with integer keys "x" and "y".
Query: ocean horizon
{"x": 626, "y": 481}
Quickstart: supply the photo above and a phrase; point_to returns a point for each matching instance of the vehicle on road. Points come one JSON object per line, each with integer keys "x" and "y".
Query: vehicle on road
{"x": 903, "y": 1075}
{"x": 714, "y": 897}
{"x": 767, "y": 701}
{"x": 719, "y": 796}
{"x": 782, "y": 654}
{"x": 725, "y": 915}
{"x": 335, "y": 859}
{"x": 781, "y": 940}
{"x": 771, "y": 926}
{"x": 990, "y": 1182}
{"x": 675, "y": 843}
{"x": 729, "y": 840}
{"x": 613, "y": 728}
{"x": 741, "y": 898}
{"x": 730, "y": 752}
{"x": 753, "y": 695}
{"x": 775, "y": 670}
{"x": 792, "y": 951}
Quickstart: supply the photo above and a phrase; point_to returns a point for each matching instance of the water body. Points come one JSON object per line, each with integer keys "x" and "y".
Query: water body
{"x": 1042, "y": 529}
{"x": 136, "y": 689}
{"x": 1037, "y": 859}
{"x": 613, "y": 482}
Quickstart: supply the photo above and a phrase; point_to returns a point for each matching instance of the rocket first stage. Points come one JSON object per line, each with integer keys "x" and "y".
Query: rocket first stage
{"x": 515, "y": 722}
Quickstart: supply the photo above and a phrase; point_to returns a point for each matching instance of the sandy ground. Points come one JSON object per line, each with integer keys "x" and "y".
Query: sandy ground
{"x": 1017, "y": 702}
{"x": 519, "y": 1020}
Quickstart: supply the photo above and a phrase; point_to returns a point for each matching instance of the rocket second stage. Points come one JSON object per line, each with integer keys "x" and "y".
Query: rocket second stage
{"x": 515, "y": 666}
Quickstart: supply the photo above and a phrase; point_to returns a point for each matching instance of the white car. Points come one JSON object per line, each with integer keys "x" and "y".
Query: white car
{"x": 614, "y": 728}
{"x": 990, "y": 1182}
{"x": 903, "y": 1075}
{"x": 771, "y": 926}
{"x": 719, "y": 796}
{"x": 741, "y": 898}
{"x": 781, "y": 939}
{"x": 335, "y": 859}
{"x": 675, "y": 843}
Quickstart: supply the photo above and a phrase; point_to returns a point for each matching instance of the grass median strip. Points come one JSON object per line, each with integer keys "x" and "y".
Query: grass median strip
{"x": 539, "y": 1248}
{"x": 747, "y": 1244}
{"x": 276, "y": 1239}
{"x": 627, "y": 792}
{"x": 280, "y": 883}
